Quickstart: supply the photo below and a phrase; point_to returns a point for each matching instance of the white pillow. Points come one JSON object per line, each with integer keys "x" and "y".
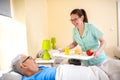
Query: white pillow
{"x": 11, "y": 76}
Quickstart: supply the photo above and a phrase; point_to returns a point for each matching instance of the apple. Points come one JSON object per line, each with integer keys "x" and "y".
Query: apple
{"x": 89, "y": 52}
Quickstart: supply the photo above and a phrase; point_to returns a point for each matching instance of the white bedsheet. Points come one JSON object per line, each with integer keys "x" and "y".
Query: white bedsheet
{"x": 112, "y": 68}
{"x": 71, "y": 72}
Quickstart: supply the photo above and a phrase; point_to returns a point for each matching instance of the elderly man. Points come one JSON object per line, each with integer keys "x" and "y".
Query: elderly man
{"x": 26, "y": 66}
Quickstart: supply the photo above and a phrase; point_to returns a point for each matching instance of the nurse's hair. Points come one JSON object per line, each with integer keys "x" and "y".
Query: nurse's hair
{"x": 80, "y": 12}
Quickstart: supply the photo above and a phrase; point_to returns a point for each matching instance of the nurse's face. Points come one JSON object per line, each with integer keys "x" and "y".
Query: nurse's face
{"x": 76, "y": 20}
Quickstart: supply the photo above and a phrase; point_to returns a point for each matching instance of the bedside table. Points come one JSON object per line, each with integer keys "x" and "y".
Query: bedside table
{"x": 40, "y": 61}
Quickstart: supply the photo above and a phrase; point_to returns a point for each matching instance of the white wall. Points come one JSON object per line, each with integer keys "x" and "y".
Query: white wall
{"x": 119, "y": 22}
{"x": 18, "y": 10}
{"x": 12, "y": 41}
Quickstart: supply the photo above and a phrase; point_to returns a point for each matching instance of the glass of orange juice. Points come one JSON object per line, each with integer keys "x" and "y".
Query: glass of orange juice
{"x": 67, "y": 51}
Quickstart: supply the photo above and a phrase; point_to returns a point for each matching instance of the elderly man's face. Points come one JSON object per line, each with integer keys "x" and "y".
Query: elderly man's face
{"x": 29, "y": 63}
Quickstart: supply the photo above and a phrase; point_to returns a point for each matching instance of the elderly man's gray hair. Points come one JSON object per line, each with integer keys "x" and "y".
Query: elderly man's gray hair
{"x": 16, "y": 64}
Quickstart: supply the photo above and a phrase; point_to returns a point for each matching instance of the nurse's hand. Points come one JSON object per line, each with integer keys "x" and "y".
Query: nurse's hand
{"x": 61, "y": 50}
{"x": 96, "y": 54}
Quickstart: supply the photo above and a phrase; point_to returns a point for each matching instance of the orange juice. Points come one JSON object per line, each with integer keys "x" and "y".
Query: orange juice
{"x": 67, "y": 51}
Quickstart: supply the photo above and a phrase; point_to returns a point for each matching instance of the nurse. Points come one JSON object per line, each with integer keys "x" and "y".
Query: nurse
{"x": 87, "y": 36}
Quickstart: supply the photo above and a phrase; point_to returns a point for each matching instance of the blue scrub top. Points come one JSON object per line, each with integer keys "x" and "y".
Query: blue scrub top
{"x": 89, "y": 40}
{"x": 46, "y": 73}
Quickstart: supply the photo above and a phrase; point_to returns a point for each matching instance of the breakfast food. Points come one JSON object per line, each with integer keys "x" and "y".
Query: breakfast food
{"x": 78, "y": 51}
{"x": 89, "y": 52}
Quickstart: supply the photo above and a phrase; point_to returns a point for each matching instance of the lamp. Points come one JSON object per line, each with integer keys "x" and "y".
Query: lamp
{"x": 53, "y": 41}
{"x": 46, "y": 47}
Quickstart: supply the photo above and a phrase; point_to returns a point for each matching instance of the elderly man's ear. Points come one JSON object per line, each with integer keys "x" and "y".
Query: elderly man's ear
{"x": 23, "y": 66}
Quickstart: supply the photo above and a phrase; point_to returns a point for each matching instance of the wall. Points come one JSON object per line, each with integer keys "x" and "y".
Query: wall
{"x": 37, "y": 24}
{"x": 119, "y": 22}
{"x": 18, "y": 10}
{"x": 33, "y": 14}
{"x": 102, "y": 13}
{"x": 12, "y": 41}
